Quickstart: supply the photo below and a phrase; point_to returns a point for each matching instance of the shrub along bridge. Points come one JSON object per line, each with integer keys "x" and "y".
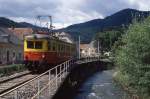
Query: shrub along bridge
{"x": 46, "y": 84}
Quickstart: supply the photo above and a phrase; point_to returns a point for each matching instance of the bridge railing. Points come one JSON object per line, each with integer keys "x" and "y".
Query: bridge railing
{"x": 42, "y": 86}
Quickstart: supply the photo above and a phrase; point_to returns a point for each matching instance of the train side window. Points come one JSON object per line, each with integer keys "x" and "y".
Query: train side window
{"x": 72, "y": 49}
{"x": 49, "y": 45}
{"x": 30, "y": 44}
{"x": 54, "y": 47}
{"x": 67, "y": 49}
{"x": 64, "y": 48}
{"x": 58, "y": 46}
{"x": 38, "y": 45}
{"x": 61, "y": 47}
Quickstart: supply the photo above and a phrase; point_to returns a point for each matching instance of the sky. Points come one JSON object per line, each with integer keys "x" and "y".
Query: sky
{"x": 66, "y": 12}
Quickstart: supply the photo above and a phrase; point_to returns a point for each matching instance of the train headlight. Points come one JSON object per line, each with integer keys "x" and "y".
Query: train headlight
{"x": 43, "y": 56}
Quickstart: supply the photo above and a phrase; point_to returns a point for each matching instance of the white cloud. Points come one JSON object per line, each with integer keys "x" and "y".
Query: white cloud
{"x": 76, "y": 16}
{"x": 60, "y": 25}
{"x": 43, "y": 23}
{"x": 141, "y": 4}
{"x": 66, "y": 11}
{"x": 22, "y": 19}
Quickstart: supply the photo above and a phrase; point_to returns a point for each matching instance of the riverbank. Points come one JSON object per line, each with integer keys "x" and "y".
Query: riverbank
{"x": 123, "y": 82}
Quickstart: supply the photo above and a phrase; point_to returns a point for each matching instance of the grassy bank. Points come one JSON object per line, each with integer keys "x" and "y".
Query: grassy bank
{"x": 10, "y": 69}
{"x": 124, "y": 82}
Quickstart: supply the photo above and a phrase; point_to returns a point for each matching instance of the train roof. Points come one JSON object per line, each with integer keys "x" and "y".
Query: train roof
{"x": 37, "y": 36}
{"x": 43, "y": 36}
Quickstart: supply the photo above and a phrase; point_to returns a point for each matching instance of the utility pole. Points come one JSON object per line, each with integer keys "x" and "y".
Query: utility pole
{"x": 98, "y": 46}
{"x": 110, "y": 41}
{"x": 79, "y": 47}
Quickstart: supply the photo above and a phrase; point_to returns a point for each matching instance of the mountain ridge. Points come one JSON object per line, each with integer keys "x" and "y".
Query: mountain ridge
{"x": 88, "y": 29}
{"x": 119, "y": 19}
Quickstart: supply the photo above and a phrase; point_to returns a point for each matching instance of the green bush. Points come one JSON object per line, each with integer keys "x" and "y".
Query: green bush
{"x": 132, "y": 56}
{"x": 8, "y": 70}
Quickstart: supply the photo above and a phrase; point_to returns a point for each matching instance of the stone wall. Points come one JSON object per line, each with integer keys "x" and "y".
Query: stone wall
{"x": 10, "y": 53}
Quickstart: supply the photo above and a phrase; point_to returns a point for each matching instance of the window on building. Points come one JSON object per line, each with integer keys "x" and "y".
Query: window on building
{"x": 30, "y": 44}
{"x": 13, "y": 54}
{"x": 38, "y": 45}
{"x": 14, "y": 57}
{"x": 20, "y": 56}
{"x": 7, "y": 56}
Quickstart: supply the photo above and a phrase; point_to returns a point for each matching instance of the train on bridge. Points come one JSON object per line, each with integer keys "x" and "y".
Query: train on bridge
{"x": 42, "y": 51}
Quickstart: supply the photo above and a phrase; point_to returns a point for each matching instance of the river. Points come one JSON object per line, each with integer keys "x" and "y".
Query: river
{"x": 101, "y": 86}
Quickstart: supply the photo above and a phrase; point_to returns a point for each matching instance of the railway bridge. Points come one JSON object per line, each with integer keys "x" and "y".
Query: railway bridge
{"x": 45, "y": 85}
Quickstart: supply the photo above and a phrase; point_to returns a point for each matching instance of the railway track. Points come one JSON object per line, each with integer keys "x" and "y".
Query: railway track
{"x": 27, "y": 90}
{"x": 11, "y": 77}
{"x": 12, "y": 82}
{"x": 34, "y": 86}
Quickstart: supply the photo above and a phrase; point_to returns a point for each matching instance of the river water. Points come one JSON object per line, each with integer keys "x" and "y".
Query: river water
{"x": 101, "y": 86}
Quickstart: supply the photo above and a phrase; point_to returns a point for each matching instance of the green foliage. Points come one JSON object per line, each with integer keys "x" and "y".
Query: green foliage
{"x": 108, "y": 38}
{"x": 133, "y": 56}
{"x": 8, "y": 70}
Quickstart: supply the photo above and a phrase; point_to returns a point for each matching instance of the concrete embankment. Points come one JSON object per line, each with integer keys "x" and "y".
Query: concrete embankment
{"x": 77, "y": 77}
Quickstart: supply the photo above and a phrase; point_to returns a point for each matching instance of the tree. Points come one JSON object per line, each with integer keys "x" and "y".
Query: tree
{"x": 132, "y": 56}
{"x": 107, "y": 39}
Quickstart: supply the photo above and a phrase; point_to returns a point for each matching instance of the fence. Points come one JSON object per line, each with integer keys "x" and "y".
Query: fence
{"x": 42, "y": 86}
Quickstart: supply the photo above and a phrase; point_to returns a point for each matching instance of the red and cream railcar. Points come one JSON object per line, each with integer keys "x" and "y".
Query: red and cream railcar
{"x": 41, "y": 51}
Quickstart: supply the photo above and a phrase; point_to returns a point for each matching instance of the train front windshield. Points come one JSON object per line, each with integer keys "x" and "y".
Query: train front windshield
{"x": 34, "y": 45}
